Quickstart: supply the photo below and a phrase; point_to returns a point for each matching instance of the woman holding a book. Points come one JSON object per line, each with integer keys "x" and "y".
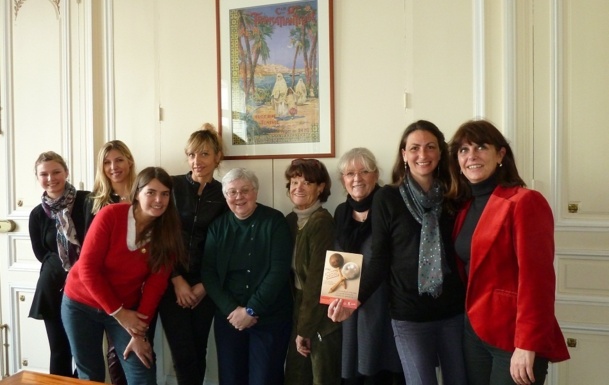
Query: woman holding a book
{"x": 369, "y": 354}
{"x": 412, "y": 249}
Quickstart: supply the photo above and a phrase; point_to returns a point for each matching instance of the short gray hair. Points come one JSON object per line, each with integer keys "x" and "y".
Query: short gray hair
{"x": 358, "y": 154}
{"x": 237, "y": 174}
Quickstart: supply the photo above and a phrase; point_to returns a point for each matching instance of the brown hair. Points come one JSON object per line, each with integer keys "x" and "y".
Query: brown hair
{"x": 312, "y": 170}
{"x": 399, "y": 169}
{"x": 166, "y": 244}
{"x": 480, "y": 132}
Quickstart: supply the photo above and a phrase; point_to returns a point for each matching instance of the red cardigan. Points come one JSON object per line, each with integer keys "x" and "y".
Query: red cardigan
{"x": 511, "y": 280}
{"x": 108, "y": 274}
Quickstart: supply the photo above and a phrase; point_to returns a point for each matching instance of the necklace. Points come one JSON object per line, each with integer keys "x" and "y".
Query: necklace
{"x": 360, "y": 217}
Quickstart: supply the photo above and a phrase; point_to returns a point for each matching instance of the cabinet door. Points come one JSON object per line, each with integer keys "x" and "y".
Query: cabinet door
{"x": 43, "y": 99}
{"x": 570, "y": 141}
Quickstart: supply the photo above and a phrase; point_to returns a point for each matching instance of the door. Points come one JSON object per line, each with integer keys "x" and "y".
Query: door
{"x": 40, "y": 80}
{"x": 571, "y": 90}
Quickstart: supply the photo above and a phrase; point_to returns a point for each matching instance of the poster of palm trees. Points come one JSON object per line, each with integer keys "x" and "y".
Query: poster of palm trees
{"x": 275, "y": 78}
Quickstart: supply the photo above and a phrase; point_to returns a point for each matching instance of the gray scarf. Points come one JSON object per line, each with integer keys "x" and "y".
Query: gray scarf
{"x": 426, "y": 208}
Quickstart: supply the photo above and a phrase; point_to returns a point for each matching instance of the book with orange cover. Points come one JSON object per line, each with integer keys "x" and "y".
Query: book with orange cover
{"x": 342, "y": 273}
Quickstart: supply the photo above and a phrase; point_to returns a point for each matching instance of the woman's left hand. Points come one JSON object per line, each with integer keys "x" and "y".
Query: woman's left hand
{"x": 184, "y": 296}
{"x": 141, "y": 347}
{"x": 521, "y": 366}
{"x": 132, "y": 322}
{"x": 240, "y": 319}
{"x": 199, "y": 292}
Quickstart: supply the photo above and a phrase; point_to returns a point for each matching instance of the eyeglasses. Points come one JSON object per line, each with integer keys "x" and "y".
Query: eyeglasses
{"x": 352, "y": 174}
{"x": 234, "y": 193}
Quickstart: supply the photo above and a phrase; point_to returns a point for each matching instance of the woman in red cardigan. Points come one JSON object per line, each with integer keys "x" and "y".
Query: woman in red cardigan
{"x": 504, "y": 237}
{"x": 117, "y": 283}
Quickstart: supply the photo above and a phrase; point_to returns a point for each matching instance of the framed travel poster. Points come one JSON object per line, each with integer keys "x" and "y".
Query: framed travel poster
{"x": 275, "y": 86}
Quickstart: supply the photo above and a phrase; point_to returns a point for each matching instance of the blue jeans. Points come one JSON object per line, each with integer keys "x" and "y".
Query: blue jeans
{"x": 85, "y": 327}
{"x": 424, "y": 345}
{"x": 487, "y": 364}
{"x": 254, "y": 356}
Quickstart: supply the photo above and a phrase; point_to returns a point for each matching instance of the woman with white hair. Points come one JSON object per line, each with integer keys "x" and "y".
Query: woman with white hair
{"x": 246, "y": 270}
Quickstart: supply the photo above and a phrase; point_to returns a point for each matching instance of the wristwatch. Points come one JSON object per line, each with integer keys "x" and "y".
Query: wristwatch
{"x": 250, "y": 312}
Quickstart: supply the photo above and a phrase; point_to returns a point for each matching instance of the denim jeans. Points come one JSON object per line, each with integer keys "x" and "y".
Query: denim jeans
{"x": 254, "y": 356}
{"x": 424, "y": 345}
{"x": 487, "y": 364}
{"x": 85, "y": 327}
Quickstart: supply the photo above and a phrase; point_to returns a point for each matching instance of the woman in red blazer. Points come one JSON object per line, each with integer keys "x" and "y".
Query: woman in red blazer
{"x": 504, "y": 237}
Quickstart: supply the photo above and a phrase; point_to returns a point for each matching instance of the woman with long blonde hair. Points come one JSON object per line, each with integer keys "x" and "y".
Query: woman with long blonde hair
{"x": 114, "y": 177}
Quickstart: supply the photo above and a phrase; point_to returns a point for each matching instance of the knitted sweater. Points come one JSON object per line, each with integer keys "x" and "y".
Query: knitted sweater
{"x": 247, "y": 263}
{"x": 110, "y": 273}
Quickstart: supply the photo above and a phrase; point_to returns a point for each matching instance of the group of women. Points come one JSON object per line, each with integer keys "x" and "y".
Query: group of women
{"x": 467, "y": 253}
{"x": 457, "y": 273}
{"x": 140, "y": 257}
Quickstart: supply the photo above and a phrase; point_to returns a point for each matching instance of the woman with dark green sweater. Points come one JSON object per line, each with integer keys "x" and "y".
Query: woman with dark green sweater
{"x": 246, "y": 266}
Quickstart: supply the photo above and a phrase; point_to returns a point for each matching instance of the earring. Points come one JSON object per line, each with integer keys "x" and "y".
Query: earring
{"x": 500, "y": 164}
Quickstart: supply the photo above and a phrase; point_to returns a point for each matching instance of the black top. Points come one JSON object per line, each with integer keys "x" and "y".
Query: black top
{"x": 196, "y": 213}
{"x": 43, "y": 235}
{"x": 395, "y": 256}
{"x": 89, "y": 216}
{"x": 481, "y": 193}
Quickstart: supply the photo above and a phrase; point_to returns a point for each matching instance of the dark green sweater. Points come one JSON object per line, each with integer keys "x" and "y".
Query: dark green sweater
{"x": 247, "y": 263}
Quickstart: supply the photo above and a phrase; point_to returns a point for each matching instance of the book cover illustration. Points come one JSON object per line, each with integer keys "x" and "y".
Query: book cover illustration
{"x": 342, "y": 272}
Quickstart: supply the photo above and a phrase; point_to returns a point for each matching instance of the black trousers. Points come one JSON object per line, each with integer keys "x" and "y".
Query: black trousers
{"x": 187, "y": 332}
{"x": 488, "y": 365}
{"x": 61, "y": 354}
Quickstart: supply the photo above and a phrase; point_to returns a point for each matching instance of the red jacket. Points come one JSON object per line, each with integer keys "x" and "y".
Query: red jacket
{"x": 511, "y": 280}
{"x": 108, "y": 274}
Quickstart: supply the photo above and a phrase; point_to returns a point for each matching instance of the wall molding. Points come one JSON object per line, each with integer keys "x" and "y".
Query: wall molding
{"x": 108, "y": 45}
{"x": 479, "y": 57}
{"x": 15, "y": 346}
{"x": 565, "y": 221}
{"x": 19, "y": 3}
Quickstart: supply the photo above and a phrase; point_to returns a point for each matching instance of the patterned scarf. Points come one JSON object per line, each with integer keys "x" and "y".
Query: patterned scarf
{"x": 60, "y": 210}
{"x": 426, "y": 209}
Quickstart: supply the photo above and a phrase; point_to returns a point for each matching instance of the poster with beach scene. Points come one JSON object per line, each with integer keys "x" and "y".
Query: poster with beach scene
{"x": 275, "y": 78}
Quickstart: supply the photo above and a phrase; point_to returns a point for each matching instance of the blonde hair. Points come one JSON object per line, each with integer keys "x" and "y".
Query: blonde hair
{"x": 102, "y": 187}
{"x": 50, "y": 156}
{"x": 206, "y": 135}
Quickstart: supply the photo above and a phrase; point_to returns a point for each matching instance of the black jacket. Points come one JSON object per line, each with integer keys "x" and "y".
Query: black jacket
{"x": 43, "y": 235}
{"x": 196, "y": 213}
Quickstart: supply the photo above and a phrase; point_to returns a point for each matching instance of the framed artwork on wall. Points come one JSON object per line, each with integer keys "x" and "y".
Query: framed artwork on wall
{"x": 275, "y": 78}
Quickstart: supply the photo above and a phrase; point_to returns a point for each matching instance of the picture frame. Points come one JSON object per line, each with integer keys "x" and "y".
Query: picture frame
{"x": 275, "y": 88}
